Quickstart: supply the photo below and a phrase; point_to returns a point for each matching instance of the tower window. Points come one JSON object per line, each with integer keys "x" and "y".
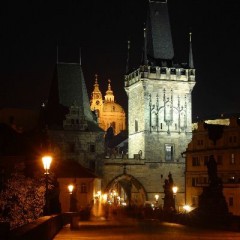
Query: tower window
{"x": 91, "y": 148}
{"x": 169, "y": 152}
{"x": 136, "y": 126}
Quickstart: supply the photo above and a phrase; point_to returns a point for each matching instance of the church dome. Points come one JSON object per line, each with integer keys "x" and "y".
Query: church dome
{"x": 112, "y": 107}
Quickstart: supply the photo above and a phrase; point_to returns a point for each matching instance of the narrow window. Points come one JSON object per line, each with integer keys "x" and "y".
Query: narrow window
{"x": 136, "y": 126}
{"x": 91, "y": 148}
{"x": 232, "y": 158}
{"x": 169, "y": 152}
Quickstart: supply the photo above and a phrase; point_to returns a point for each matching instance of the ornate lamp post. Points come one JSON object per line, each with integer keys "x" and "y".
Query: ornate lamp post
{"x": 46, "y": 165}
{"x": 70, "y": 189}
{"x": 174, "y": 189}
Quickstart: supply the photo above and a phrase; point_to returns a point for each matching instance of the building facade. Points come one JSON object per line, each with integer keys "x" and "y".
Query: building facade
{"x": 221, "y": 139}
{"x": 108, "y": 112}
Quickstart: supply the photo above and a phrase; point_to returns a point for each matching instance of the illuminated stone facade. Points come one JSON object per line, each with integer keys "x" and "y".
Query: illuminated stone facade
{"x": 108, "y": 112}
{"x": 160, "y": 112}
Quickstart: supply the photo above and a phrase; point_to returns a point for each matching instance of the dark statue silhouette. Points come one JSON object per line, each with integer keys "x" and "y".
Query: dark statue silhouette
{"x": 212, "y": 201}
{"x": 168, "y": 201}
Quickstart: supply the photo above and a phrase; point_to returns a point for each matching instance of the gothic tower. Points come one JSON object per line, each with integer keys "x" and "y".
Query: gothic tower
{"x": 159, "y": 99}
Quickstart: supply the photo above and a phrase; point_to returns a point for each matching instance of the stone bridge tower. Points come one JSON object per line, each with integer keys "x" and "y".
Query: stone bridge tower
{"x": 159, "y": 110}
{"x": 159, "y": 100}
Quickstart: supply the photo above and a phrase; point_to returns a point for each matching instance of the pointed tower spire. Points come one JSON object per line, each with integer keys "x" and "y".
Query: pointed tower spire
{"x": 128, "y": 53}
{"x": 109, "y": 97}
{"x": 96, "y": 85}
{"x": 159, "y": 44}
{"x": 145, "y": 47}
{"x": 191, "y": 65}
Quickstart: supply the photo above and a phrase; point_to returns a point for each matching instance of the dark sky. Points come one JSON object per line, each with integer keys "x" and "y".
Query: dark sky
{"x": 30, "y": 31}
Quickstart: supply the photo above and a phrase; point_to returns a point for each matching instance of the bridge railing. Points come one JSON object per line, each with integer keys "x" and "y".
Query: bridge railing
{"x": 44, "y": 228}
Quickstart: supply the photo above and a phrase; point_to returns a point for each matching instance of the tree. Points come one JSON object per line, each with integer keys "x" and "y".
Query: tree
{"x": 22, "y": 199}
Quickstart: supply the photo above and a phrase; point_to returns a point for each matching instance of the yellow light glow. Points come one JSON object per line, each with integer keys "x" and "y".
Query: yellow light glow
{"x": 187, "y": 208}
{"x": 156, "y": 197}
{"x": 70, "y": 188}
{"x": 46, "y": 162}
{"x": 104, "y": 197}
{"x": 175, "y": 189}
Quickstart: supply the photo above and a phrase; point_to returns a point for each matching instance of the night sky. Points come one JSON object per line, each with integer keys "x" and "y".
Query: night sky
{"x": 31, "y": 30}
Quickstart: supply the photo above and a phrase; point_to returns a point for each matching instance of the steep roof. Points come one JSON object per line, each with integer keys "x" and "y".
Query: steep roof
{"x": 72, "y": 87}
{"x": 68, "y": 88}
{"x": 159, "y": 37}
{"x": 72, "y": 169}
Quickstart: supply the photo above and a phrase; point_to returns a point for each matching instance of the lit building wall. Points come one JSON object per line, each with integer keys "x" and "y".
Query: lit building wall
{"x": 223, "y": 142}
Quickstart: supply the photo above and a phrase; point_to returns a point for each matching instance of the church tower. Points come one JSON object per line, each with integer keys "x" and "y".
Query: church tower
{"x": 96, "y": 103}
{"x": 159, "y": 100}
{"x": 109, "y": 113}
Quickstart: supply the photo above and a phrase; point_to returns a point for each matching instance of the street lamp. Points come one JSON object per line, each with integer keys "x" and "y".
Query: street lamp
{"x": 46, "y": 165}
{"x": 70, "y": 189}
{"x": 174, "y": 189}
{"x": 156, "y": 198}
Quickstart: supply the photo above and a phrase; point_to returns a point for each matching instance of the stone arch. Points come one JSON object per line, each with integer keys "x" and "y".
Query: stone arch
{"x": 133, "y": 189}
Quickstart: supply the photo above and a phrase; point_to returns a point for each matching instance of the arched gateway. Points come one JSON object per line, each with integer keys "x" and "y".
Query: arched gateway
{"x": 128, "y": 188}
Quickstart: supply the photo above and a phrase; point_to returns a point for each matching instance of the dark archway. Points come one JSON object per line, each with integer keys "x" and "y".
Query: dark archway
{"x": 129, "y": 189}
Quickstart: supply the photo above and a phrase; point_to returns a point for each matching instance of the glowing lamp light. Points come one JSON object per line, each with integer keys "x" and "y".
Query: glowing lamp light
{"x": 105, "y": 197}
{"x": 70, "y": 188}
{"x": 187, "y": 208}
{"x": 46, "y": 163}
{"x": 175, "y": 189}
{"x": 156, "y": 197}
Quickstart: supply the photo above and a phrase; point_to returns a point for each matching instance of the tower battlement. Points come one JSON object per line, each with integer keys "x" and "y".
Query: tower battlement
{"x": 160, "y": 73}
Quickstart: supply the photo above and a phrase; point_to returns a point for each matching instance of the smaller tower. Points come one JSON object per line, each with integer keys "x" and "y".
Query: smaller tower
{"x": 109, "y": 97}
{"x": 96, "y": 98}
{"x": 190, "y": 61}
